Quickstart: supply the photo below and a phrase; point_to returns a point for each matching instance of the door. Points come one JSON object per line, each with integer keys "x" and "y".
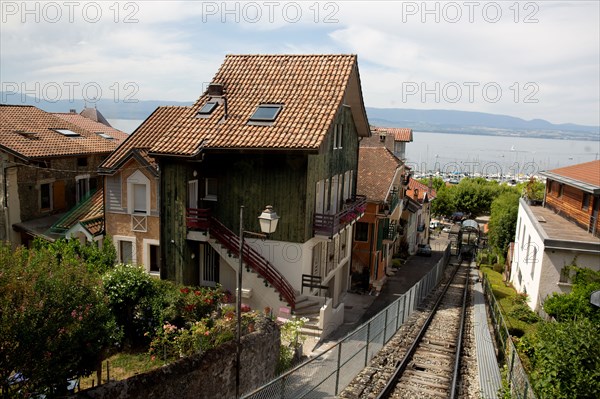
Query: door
{"x": 209, "y": 272}
{"x": 193, "y": 194}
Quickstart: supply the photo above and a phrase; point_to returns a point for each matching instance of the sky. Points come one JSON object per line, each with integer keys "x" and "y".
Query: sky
{"x": 529, "y": 59}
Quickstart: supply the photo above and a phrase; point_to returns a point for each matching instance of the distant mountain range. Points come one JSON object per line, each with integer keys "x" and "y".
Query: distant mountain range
{"x": 441, "y": 121}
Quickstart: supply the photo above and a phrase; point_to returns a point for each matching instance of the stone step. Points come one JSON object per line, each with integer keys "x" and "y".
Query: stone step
{"x": 313, "y": 309}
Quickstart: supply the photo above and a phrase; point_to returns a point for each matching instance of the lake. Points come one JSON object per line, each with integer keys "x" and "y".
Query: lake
{"x": 495, "y": 154}
{"x": 472, "y": 153}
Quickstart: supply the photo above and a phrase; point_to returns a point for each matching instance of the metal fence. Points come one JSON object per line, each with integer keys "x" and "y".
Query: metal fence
{"x": 327, "y": 374}
{"x": 520, "y": 387}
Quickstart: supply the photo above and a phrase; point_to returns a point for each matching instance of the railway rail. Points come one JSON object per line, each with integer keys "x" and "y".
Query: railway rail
{"x": 424, "y": 360}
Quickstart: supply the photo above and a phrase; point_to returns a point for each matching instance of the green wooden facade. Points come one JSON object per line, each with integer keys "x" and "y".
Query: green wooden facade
{"x": 285, "y": 179}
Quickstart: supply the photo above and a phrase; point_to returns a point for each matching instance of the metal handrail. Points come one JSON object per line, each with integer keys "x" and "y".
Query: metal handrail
{"x": 254, "y": 260}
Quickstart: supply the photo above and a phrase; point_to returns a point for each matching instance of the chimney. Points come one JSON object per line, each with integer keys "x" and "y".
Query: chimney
{"x": 215, "y": 90}
{"x": 416, "y": 193}
{"x": 73, "y": 111}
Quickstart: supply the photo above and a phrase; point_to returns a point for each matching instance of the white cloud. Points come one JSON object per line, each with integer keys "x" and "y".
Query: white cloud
{"x": 175, "y": 47}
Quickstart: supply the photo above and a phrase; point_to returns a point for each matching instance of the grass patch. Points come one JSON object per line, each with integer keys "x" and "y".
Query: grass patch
{"x": 519, "y": 320}
{"x": 122, "y": 366}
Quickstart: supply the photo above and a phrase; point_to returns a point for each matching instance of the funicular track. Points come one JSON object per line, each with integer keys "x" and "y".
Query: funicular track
{"x": 430, "y": 368}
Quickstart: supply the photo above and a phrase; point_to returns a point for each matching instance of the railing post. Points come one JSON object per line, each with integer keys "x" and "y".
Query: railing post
{"x": 398, "y": 313}
{"x": 367, "y": 347}
{"x": 337, "y": 374}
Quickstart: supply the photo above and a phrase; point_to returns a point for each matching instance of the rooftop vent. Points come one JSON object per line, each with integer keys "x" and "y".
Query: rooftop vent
{"x": 73, "y": 111}
{"x": 215, "y": 89}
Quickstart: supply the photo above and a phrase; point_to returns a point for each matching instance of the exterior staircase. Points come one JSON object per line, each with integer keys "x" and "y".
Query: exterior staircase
{"x": 311, "y": 309}
{"x": 228, "y": 248}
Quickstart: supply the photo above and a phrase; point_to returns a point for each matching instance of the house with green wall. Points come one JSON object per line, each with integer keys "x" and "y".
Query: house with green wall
{"x": 279, "y": 130}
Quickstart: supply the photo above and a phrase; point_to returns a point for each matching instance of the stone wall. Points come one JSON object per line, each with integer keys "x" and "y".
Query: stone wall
{"x": 208, "y": 375}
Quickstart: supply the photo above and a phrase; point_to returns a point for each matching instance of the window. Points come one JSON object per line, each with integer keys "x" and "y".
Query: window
{"x": 210, "y": 189}
{"x": 523, "y": 238}
{"x": 126, "y": 252}
{"x": 105, "y": 136}
{"x": 362, "y": 232}
{"x": 338, "y": 133}
{"x": 138, "y": 194}
{"x": 207, "y": 108}
{"x": 46, "y": 197}
{"x": 154, "y": 259}
{"x": 81, "y": 162}
{"x": 139, "y": 198}
{"x": 83, "y": 187}
{"x": 585, "y": 202}
{"x": 67, "y": 132}
{"x": 266, "y": 113}
{"x": 533, "y": 260}
{"x": 193, "y": 194}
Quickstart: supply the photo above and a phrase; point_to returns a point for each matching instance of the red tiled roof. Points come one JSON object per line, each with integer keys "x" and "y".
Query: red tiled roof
{"x": 588, "y": 172}
{"x": 398, "y": 133}
{"x": 376, "y": 169}
{"x": 415, "y": 184}
{"x": 144, "y": 137}
{"x": 38, "y": 139}
{"x": 92, "y": 126}
{"x": 311, "y": 89}
{"x": 90, "y": 213}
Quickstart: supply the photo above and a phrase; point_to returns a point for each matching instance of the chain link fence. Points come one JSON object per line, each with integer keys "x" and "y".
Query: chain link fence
{"x": 327, "y": 374}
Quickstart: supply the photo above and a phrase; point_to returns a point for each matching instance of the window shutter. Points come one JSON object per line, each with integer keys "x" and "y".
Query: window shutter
{"x": 139, "y": 198}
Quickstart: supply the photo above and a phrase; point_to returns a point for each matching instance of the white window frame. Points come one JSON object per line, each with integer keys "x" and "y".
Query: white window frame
{"x": 207, "y": 196}
{"x": 137, "y": 178}
{"x": 117, "y": 243}
{"x": 146, "y": 243}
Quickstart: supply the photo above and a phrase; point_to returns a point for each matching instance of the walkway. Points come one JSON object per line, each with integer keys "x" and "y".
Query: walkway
{"x": 489, "y": 372}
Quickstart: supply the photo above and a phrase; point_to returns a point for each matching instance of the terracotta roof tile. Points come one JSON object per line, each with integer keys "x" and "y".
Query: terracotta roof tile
{"x": 311, "y": 88}
{"x": 89, "y": 211}
{"x": 28, "y": 132}
{"x": 92, "y": 126}
{"x": 398, "y": 133}
{"x": 588, "y": 172}
{"x": 144, "y": 137}
{"x": 415, "y": 184}
{"x": 376, "y": 169}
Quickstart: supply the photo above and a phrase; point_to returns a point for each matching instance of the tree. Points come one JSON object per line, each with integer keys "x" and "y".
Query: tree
{"x": 576, "y": 304}
{"x": 444, "y": 202}
{"x": 566, "y": 360}
{"x": 436, "y": 182}
{"x": 55, "y": 323}
{"x": 503, "y": 220}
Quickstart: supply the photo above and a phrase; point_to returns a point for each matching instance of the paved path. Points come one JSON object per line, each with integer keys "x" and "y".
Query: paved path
{"x": 489, "y": 372}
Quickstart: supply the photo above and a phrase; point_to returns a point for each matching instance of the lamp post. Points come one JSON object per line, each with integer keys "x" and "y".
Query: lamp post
{"x": 268, "y": 223}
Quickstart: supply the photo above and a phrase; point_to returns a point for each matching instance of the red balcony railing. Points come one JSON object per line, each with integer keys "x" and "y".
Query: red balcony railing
{"x": 328, "y": 225}
{"x": 254, "y": 260}
{"x": 197, "y": 219}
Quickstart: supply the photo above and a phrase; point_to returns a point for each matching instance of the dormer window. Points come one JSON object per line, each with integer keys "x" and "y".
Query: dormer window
{"x": 207, "y": 108}
{"x": 266, "y": 113}
{"x": 67, "y": 132}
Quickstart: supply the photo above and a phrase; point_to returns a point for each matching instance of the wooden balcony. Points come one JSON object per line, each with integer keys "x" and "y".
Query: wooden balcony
{"x": 197, "y": 219}
{"x": 328, "y": 225}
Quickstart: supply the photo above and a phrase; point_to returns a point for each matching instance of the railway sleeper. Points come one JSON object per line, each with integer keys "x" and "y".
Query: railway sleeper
{"x": 427, "y": 376}
{"x": 420, "y": 380}
{"x": 423, "y": 391}
{"x": 441, "y": 367}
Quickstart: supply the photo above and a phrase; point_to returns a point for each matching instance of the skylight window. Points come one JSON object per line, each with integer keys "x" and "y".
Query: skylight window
{"x": 266, "y": 113}
{"x": 67, "y": 132}
{"x": 105, "y": 136}
{"x": 208, "y": 108}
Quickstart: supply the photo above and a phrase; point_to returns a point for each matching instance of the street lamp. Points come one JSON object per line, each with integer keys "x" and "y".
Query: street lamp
{"x": 268, "y": 223}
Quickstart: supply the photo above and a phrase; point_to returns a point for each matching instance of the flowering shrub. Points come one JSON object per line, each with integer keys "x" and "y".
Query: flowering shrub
{"x": 291, "y": 342}
{"x": 193, "y": 304}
